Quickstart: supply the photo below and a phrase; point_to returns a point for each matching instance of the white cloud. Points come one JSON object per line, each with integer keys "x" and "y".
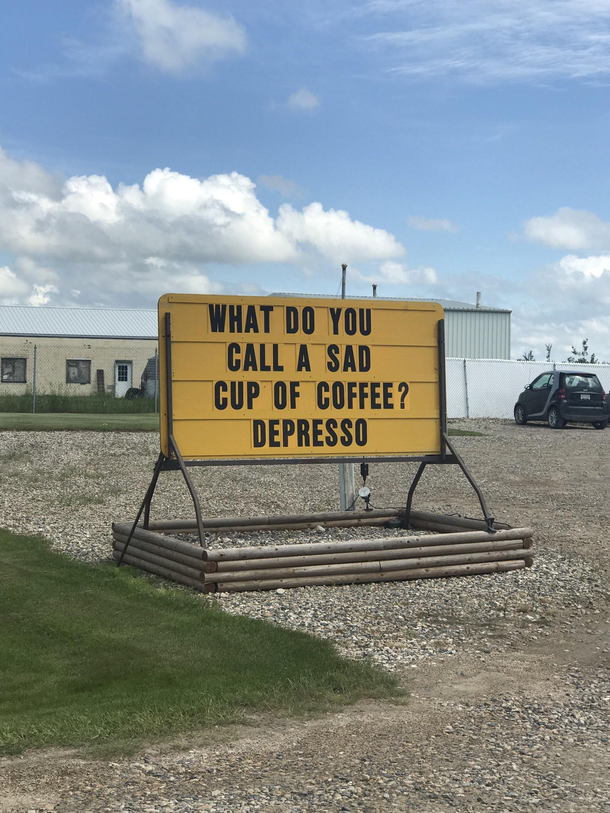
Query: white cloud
{"x": 487, "y": 41}
{"x": 176, "y": 37}
{"x": 432, "y": 224}
{"x": 333, "y": 234}
{"x": 394, "y": 273}
{"x": 277, "y": 183}
{"x": 568, "y": 228}
{"x": 303, "y": 99}
{"x": 108, "y": 243}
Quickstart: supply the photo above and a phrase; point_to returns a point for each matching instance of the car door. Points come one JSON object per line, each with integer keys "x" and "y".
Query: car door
{"x": 538, "y": 394}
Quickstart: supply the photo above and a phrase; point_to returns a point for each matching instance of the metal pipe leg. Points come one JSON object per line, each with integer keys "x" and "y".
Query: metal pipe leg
{"x": 145, "y": 504}
{"x": 416, "y": 479}
{"x": 489, "y": 520}
{"x": 191, "y": 488}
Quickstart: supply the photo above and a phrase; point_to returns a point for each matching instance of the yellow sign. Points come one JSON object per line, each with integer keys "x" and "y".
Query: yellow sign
{"x": 273, "y": 377}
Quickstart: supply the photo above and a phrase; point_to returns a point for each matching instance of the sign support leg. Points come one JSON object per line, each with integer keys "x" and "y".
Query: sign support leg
{"x": 191, "y": 488}
{"x": 145, "y": 504}
{"x": 416, "y": 479}
{"x": 489, "y": 520}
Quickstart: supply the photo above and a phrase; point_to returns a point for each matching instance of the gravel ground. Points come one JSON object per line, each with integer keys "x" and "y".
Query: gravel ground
{"x": 535, "y": 735}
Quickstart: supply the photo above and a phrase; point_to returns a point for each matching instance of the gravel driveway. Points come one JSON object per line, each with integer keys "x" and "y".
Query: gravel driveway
{"x": 508, "y": 674}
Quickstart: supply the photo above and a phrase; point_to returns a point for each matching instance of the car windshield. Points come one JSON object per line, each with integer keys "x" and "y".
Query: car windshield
{"x": 581, "y": 382}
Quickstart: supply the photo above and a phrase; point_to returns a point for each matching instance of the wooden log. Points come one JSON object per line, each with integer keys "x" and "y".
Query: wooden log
{"x": 369, "y": 555}
{"x": 166, "y": 573}
{"x": 187, "y": 548}
{"x": 368, "y": 567}
{"x": 161, "y": 561}
{"x": 360, "y": 578}
{"x": 300, "y": 549}
{"x": 379, "y": 523}
{"x": 273, "y": 519}
{"x": 166, "y": 553}
{"x": 459, "y": 522}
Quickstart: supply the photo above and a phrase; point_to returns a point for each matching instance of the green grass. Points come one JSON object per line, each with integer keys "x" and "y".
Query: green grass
{"x": 45, "y": 422}
{"x": 93, "y": 404}
{"x": 104, "y": 658}
{"x": 456, "y": 433}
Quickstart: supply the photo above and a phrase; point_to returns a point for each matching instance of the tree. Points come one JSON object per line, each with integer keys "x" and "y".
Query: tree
{"x": 582, "y": 356}
{"x": 548, "y": 348}
{"x": 528, "y": 356}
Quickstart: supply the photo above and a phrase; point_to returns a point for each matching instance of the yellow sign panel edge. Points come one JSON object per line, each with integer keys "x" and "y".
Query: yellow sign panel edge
{"x": 166, "y": 301}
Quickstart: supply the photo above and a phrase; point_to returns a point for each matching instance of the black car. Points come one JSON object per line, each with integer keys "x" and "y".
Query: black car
{"x": 558, "y": 397}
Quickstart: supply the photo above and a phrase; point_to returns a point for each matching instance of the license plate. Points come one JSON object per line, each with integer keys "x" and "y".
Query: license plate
{"x": 585, "y": 397}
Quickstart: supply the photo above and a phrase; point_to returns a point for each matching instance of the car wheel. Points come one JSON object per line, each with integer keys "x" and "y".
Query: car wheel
{"x": 600, "y": 424}
{"x": 520, "y": 416}
{"x": 554, "y": 418}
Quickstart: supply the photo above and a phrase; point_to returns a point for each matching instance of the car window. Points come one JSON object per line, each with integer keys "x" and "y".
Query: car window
{"x": 581, "y": 382}
{"x": 542, "y": 382}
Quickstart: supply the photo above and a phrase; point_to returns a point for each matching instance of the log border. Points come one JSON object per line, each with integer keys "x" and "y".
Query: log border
{"x": 458, "y": 546}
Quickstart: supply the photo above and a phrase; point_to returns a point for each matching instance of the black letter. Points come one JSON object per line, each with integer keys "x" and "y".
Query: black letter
{"x": 274, "y": 431}
{"x": 303, "y": 359}
{"x": 287, "y": 431}
{"x": 361, "y": 428}
{"x": 309, "y": 320}
{"x": 251, "y": 320}
{"x": 220, "y": 401}
{"x": 218, "y": 314}
{"x": 259, "y": 433}
{"x": 331, "y": 425}
{"x": 349, "y": 360}
{"x": 346, "y": 437}
{"x": 350, "y": 321}
{"x": 235, "y": 318}
{"x": 253, "y": 391}
{"x": 232, "y": 361}
{"x": 365, "y": 321}
{"x": 279, "y": 395}
{"x": 266, "y": 310}
{"x": 335, "y": 313}
{"x": 316, "y": 430}
{"x": 364, "y": 358}
{"x": 292, "y": 319}
{"x": 332, "y": 351}
{"x": 322, "y": 395}
{"x": 303, "y": 432}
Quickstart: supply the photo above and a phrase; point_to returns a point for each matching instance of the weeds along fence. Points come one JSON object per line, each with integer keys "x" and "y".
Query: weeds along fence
{"x": 78, "y": 375}
{"x": 488, "y": 388}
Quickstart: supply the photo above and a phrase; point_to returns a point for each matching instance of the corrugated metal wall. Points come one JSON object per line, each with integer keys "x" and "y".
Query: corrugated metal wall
{"x": 477, "y": 334}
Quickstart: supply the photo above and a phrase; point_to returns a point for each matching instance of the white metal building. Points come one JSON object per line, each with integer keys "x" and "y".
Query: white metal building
{"x": 471, "y": 331}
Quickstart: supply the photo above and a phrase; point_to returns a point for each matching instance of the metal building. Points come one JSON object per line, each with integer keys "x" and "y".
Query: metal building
{"x": 471, "y": 331}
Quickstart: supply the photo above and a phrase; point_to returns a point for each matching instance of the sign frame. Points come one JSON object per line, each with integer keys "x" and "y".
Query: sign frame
{"x": 174, "y": 461}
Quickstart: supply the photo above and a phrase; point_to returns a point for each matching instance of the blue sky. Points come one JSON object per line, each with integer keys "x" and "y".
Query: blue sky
{"x": 438, "y": 148}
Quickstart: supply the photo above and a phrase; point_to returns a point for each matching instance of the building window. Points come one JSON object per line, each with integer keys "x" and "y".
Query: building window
{"x": 13, "y": 371}
{"x": 122, "y": 372}
{"x": 78, "y": 371}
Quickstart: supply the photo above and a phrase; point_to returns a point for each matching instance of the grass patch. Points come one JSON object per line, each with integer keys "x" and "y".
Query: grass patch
{"x": 92, "y": 655}
{"x": 92, "y": 404}
{"x": 464, "y": 433}
{"x": 47, "y": 422}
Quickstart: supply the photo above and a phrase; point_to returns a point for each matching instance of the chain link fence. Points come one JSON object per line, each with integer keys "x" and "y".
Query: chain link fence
{"x": 78, "y": 375}
{"x": 488, "y": 388}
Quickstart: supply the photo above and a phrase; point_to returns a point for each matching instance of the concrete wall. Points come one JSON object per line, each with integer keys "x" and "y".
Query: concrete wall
{"x": 52, "y": 354}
